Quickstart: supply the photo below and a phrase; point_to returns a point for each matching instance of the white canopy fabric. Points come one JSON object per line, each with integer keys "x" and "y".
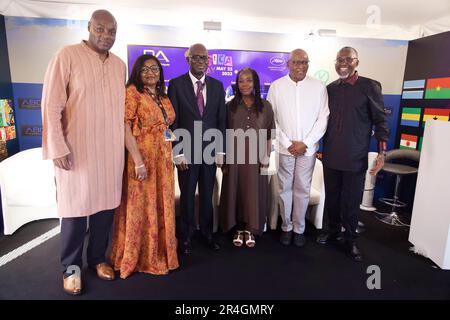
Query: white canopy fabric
{"x": 381, "y": 19}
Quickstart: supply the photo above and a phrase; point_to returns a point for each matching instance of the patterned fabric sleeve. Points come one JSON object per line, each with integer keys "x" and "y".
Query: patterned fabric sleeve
{"x": 131, "y": 105}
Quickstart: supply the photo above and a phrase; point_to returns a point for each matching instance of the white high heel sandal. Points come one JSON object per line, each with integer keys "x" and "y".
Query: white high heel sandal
{"x": 249, "y": 239}
{"x": 238, "y": 238}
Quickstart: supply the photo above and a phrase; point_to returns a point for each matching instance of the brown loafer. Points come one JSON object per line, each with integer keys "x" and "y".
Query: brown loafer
{"x": 72, "y": 284}
{"x": 104, "y": 271}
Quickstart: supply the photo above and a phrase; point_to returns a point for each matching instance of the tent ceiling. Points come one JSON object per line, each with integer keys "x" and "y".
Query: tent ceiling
{"x": 397, "y": 19}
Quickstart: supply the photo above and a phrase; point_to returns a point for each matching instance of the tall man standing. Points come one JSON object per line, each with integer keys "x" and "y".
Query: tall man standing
{"x": 198, "y": 100}
{"x": 83, "y": 132}
{"x": 300, "y": 105}
{"x": 356, "y": 105}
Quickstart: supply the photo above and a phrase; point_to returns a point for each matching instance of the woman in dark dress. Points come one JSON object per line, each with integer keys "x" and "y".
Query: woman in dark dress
{"x": 245, "y": 191}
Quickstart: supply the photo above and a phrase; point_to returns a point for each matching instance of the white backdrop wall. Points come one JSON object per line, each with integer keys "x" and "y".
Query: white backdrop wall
{"x": 33, "y": 41}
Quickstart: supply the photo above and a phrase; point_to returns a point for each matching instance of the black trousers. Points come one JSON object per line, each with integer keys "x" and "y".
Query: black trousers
{"x": 73, "y": 232}
{"x": 343, "y": 195}
{"x": 205, "y": 176}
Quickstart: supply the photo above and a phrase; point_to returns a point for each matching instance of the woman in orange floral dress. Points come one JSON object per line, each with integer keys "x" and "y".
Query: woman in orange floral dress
{"x": 144, "y": 226}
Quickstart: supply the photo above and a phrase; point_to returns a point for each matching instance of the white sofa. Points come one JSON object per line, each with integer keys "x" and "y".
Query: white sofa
{"x": 28, "y": 189}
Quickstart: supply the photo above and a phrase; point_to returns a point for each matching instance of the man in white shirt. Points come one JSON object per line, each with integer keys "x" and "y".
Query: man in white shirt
{"x": 300, "y": 105}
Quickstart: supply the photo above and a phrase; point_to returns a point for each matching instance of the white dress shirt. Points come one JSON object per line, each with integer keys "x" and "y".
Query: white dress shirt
{"x": 194, "y": 82}
{"x": 301, "y": 112}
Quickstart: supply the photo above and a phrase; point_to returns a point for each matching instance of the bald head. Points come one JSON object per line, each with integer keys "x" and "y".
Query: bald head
{"x": 297, "y": 52}
{"x": 102, "y": 14}
{"x": 196, "y": 47}
{"x": 298, "y": 64}
{"x": 102, "y": 31}
{"x": 351, "y": 50}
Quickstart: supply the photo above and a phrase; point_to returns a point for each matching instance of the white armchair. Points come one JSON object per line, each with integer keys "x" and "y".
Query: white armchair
{"x": 316, "y": 201}
{"x": 216, "y": 197}
{"x": 28, "y": 189}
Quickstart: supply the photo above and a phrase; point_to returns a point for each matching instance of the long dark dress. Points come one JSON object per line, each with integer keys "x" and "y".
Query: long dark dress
{"x": 245, "y": 192}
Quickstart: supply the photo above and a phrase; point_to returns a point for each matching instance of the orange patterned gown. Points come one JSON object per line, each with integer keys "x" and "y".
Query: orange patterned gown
{"x": 144, "y": 225}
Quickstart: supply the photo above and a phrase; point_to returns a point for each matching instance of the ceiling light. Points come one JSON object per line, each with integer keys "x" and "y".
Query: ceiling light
{"x": 212, "y": 25}
{"x": 326, "y": 32}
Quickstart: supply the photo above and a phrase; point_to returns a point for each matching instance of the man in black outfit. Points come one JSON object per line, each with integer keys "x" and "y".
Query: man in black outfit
{"x": 198, "y": 100}
{"x": 356, "y": 105}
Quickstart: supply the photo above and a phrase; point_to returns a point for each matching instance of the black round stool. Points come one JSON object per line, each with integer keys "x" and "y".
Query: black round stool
{"x": 400, "y": 170}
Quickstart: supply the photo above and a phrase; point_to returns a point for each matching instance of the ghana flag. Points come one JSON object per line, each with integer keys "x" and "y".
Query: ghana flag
{"x": 435, "y": 114}
{"x": 438, "y": 88}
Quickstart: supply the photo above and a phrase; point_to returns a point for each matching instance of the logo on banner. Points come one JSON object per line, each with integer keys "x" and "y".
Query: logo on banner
{"x": 322, "y": 75}
{"x": 277, "y": 61}
{"x": 160, "y": 55}
{"x": 221, "y": 59}
{"x": 220, "y": 62}
{"x": 27, "y": 103}
{"x": 388, "y": 111}
{"x": 31, "y": 130}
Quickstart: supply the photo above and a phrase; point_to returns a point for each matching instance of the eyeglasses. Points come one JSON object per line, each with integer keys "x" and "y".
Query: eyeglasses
{"x": 154, "y": 69}
{"x": 346, "y": 59}
{"x": 198, "y": 58}
{"x": 299, "y": 62}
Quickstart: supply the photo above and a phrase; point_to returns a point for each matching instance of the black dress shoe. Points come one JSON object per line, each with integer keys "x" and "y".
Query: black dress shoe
{"x": 353, "y": 251}
{"x": 299, "y": 239}
{"x": 286, "y": 237}
{"x": 327, "y": 237}
{"x": 187, "y": 247}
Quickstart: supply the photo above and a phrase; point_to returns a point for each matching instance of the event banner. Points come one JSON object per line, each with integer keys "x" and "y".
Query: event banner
{"x": 222, "y": 65}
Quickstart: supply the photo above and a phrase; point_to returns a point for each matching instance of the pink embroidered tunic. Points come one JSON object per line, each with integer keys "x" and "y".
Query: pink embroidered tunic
{"x": 83, "y": 103}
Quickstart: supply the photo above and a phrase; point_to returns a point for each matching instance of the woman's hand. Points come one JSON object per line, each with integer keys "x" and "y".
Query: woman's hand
{"x": 140, "y": 172}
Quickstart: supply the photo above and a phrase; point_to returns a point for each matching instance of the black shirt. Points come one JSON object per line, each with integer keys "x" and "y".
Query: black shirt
{"x": 354, "y": 110}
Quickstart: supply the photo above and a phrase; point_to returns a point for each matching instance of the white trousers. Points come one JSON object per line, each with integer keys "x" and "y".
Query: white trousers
{"x": 294, "y": 176}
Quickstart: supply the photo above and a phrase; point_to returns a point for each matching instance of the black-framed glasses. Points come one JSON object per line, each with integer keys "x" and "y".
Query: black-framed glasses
{"x": 198, "y": 58}
{"x": 346, "y": 59}
{"x": 300, "y": 62}
{"x": 154, "y": 69}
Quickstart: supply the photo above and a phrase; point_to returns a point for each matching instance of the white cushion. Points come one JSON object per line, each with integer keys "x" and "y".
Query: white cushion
{"x": 314, "y": 197}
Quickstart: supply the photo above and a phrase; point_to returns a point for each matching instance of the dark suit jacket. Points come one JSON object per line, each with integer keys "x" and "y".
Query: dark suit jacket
{"x": 181, "y": 94}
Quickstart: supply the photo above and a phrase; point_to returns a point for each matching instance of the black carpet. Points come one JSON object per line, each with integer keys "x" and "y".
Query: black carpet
{"x": 268, "y": 271}
{"x": 24, "y": 234}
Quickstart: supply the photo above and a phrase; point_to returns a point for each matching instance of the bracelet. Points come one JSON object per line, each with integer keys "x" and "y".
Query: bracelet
{"x": 138, "y": 167}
